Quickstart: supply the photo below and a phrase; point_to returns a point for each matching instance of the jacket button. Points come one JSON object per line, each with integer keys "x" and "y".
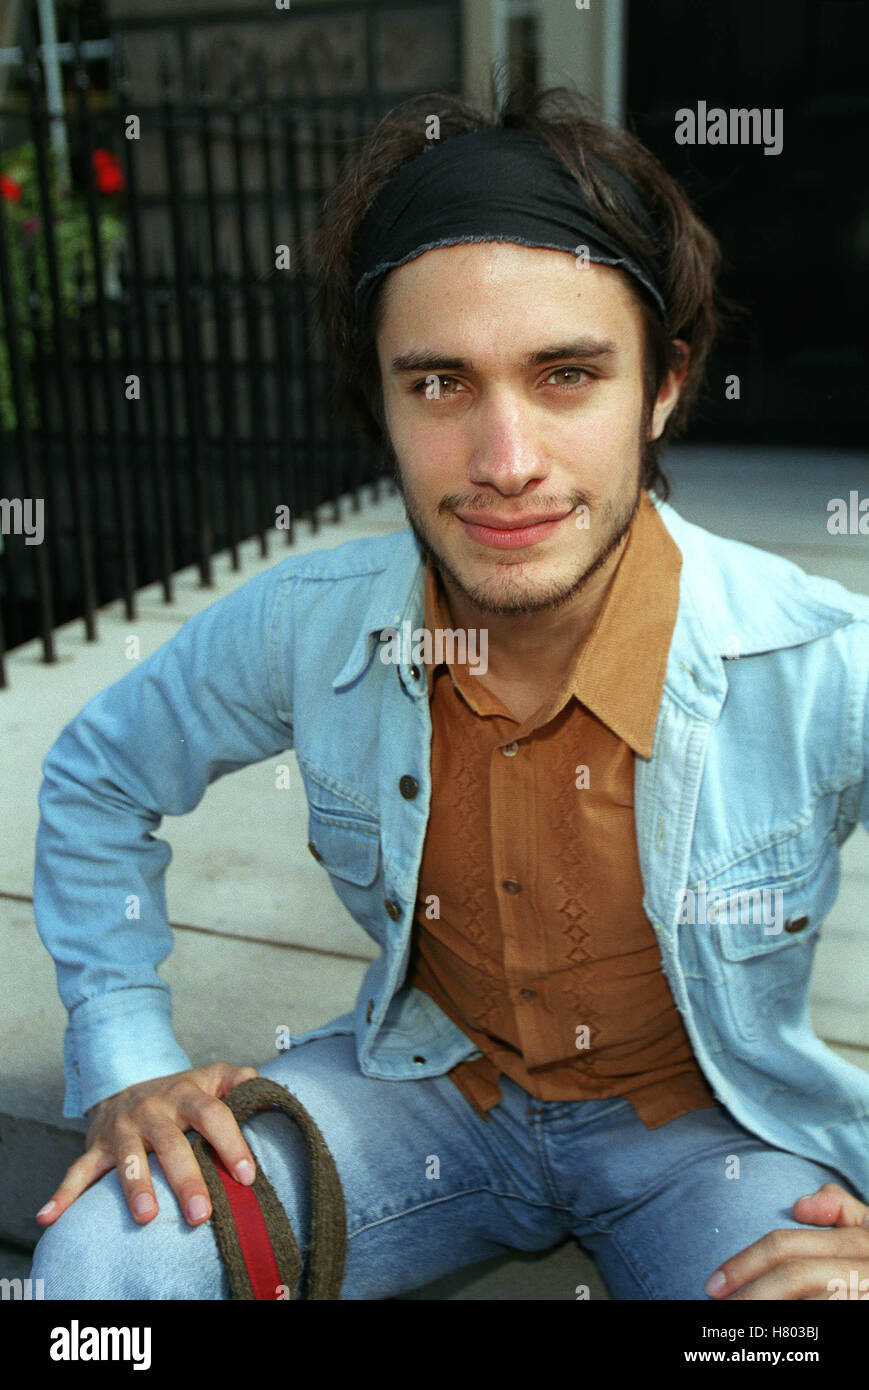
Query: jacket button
{"x": 798, "y": 924}
{"x": 510, "y": 885}
{"x": 527, "y": 994}
{"x": 408, "y": 786}
{"x": 420, "y": 1060}
{"x": 392, "y": 909}
{"x": 414, "y": 671}
{"x": 368, "y": 1011}
{"x": 316, "y": 853}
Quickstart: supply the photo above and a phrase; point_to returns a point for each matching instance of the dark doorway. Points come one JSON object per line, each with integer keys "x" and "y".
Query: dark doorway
{"x": 794, "y": 225}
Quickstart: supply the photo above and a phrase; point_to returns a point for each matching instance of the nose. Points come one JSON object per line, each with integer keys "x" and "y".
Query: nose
{"x": 507, "y": 451}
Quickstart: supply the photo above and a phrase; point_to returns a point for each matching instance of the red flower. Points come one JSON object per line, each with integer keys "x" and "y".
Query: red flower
{"x": 107, "y": 171}
{"x": 10, "y": 190}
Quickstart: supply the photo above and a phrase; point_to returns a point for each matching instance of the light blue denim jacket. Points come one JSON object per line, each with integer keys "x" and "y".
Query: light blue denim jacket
{"x": 757, "y": 776}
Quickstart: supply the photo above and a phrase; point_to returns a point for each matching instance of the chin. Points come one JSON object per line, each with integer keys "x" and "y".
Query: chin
{"x": 508, "y": 593}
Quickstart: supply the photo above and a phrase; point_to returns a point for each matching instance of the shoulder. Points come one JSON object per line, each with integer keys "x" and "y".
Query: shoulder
{"x": 771, "y": 600}
{"x": 373, "y": 555}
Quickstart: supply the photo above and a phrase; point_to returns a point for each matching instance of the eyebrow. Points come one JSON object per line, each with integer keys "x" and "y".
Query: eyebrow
{"x": 423, "y": 361}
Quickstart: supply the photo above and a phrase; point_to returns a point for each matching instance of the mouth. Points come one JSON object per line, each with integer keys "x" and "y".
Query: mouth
{"x": 511, "y": 533}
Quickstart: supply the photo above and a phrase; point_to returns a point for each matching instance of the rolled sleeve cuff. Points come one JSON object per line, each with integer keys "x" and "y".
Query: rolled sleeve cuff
{"x": 115, "y": 1040}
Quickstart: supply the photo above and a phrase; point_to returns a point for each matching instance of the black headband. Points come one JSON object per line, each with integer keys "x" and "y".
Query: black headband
{"x": 493, "y": 185}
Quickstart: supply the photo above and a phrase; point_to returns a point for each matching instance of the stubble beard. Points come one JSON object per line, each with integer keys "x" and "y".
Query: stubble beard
{"x": 505, "y": 595}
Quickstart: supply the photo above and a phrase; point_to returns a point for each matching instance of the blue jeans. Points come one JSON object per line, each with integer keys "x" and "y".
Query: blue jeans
{"x": 430, "y": 1187}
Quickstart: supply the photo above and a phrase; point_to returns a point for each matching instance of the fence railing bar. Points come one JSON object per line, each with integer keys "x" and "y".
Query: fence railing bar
{"x": 253, "y": 343}
{"x": 163, "y": 371}
{"x": 85, "y": 396}
{"x": 40, "y": 381}
{"x": 188, "y": 347}
{"x": 25, "y": 445}
{"x": 39, "y": 122}
{"x": 132, "y": 268}
{"x": 222, "y": 310}
{"x": 299, "y": 258}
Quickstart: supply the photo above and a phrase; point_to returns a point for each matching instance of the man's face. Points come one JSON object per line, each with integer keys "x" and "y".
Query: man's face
{"x": 512, "y": 392}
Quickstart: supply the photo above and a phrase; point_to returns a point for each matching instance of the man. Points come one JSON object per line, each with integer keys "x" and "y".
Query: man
{"x": 595, "y": 842}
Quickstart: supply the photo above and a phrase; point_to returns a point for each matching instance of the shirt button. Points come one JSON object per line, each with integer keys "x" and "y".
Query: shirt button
{"x": 392, "y": 909}
{"x": 408, "y": 786}
{"x": 510, "y": 750}
{"x": 510, "y": 885}
{"x": 316, "y": 853}
{"x": 526, "y": 994}
{"x": 419, "y": 1060}
{"x": 798, "y": 924}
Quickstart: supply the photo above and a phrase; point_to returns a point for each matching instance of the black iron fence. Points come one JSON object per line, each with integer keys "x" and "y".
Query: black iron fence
{"x": 164, "y": 393}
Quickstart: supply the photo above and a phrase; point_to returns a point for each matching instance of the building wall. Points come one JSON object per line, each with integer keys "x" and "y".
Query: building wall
{"x": 580, "y": 48}
{"x": 585, "y": 49}
{"x": 577, "y": 46}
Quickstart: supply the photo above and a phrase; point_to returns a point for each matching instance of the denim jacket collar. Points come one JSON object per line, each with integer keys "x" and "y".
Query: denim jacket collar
{"x": 771, "y": 617}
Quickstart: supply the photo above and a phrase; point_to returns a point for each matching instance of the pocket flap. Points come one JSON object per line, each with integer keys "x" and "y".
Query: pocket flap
{"x": 753, "y": 921}
{"x": 348, "y": 847}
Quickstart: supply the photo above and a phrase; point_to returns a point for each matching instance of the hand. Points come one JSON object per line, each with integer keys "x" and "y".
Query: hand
{"x": 805, "y": 1265}
{"x": 153, "y": 1115}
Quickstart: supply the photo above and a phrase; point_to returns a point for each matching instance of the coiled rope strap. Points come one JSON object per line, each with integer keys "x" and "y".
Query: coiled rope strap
{"x": 254, "y": 1236}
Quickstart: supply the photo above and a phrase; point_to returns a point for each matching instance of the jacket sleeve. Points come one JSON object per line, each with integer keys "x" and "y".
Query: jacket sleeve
{"x": 211, "y": 700}
{"x": 859, "y": 668}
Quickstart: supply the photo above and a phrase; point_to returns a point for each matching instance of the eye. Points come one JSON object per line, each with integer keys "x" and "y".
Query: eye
{"x": 432, "y": 386}
{"x": 575, "y": 371}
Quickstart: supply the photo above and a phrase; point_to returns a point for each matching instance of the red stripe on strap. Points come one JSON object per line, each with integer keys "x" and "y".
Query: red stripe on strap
{"x": 253, "y": 1236}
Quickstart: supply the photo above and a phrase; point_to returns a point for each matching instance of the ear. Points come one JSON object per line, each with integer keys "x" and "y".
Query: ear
{"x": 668, "y": 395}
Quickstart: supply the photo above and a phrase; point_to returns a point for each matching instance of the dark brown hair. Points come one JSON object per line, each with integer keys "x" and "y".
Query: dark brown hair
{"x": 686, "y": 251}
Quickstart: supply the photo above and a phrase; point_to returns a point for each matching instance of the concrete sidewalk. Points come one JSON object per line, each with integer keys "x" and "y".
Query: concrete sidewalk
{"x": 246, "y": 899}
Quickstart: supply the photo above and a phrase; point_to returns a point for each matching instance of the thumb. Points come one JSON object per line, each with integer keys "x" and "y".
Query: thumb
{"x": 831, "y": 1205}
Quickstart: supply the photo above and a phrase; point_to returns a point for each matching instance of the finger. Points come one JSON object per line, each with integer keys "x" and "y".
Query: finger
{"x": 181, "y": 1170}
{"x": 216, "y": 1123}
{"x": 92, "y": 1164}
{"x": 229, "y": 1076}
{"x": 779, "y": 1246}
{"x": 132, "y": 1163}
{"x": 811, "y": 1280}
{"x": 831, "y": 1205}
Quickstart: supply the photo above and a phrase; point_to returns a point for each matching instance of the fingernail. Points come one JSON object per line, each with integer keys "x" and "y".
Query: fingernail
{"x": 197, "y": 1207}
{"x": 244, "y": 1171}
{"x": 716, "y": 1283}
{"x": 143, "y": 1204}
{"x": 49, "y": 1206}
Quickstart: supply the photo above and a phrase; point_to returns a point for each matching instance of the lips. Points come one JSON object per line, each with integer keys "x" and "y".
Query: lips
{"x": 514, "y": 523}
{"x": 511, "y": 532}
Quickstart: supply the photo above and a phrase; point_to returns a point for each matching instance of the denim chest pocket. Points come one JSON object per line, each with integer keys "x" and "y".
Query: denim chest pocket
{"x": 347, "y": 847}
{"x": 346, "y": 843}
{"x": 765, "y": 934}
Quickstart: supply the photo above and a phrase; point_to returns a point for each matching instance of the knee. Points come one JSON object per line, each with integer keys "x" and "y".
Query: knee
{"x": 75, "y": 1257}
{"x": 95, "y": 1250}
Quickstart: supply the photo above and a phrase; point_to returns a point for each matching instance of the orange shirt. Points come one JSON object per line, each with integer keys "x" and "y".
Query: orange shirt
{"x": 541, "y": 952}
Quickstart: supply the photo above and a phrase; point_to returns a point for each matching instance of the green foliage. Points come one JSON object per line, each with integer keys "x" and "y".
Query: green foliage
{"x": 22, "y": 207}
